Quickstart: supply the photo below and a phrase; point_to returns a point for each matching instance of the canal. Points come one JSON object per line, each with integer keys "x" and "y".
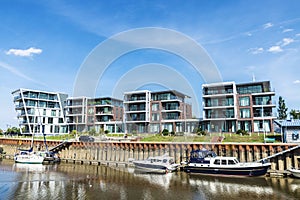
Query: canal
{"x": 73, "y": 181}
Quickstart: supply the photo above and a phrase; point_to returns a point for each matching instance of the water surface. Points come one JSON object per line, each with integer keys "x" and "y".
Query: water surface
{"x": 69, "y": 181}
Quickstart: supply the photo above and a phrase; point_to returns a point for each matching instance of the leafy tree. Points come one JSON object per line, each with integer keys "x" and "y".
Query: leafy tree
{"x": 1, "y": 131}
{"x": 295, "y": 114}
{"x": 282, "y": 109}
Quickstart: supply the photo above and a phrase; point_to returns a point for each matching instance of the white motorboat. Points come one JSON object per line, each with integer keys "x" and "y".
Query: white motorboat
{"x": 163, "y": 164}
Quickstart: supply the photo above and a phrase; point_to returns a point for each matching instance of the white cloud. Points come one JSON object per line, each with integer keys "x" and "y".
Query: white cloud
{"x": 275, "y": 49}
{"x": 296, "y": 82}
{"x": 298, "y": 35}
{"x": 287, "y": 30}
{"x": 287, "y": 41}
{"x": 267, "y": 25}
{"x": 24, "y": 52}
{"x": 256, "y": 50}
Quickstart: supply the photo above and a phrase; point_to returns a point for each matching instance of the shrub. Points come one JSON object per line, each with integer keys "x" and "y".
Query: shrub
{"x": 106, "y": 131}
{"x": 204, "y": 133}
{"x": 165, "y": 132}
{"x": 197, "y": 130}
{"x": 172, "y": 133}
{"x": 242, "y": 132}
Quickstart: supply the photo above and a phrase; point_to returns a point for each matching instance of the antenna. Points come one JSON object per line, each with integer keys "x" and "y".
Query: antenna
{"x": 253, "y": 77}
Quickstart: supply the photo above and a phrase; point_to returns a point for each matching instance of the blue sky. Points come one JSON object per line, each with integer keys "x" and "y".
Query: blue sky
{"x": 43, "y": 44}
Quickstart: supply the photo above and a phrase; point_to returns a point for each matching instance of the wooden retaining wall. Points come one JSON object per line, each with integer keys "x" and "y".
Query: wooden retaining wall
{"x": 115, "y": 152}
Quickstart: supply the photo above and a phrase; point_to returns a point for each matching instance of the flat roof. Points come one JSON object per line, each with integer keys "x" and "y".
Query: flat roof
{"x": 288, "y": 123}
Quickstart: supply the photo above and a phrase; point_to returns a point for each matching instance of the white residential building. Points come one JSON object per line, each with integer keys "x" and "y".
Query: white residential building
{"x": 40, "y": 112}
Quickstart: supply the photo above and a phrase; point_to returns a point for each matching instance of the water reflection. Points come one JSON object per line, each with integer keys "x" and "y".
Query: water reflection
{"x": 161, "y": 180}
{"x": 68, "y": 181}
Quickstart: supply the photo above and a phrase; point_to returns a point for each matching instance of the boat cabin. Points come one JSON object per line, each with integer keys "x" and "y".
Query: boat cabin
{"x": 198, "y": 156}
{"x": 165, "y": 160}
{"x": 225, "y": 161}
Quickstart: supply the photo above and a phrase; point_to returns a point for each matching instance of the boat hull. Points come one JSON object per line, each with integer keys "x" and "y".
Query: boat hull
{"x": 154, "y": 167}
{"x": 29, "y": 159}
{"x": 295, "y": 172}
{"x": 246, "y": 171}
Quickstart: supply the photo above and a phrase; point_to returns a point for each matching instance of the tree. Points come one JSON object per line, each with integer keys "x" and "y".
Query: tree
{"x": 295, "y": 114}
{"x": 282, "y": 109}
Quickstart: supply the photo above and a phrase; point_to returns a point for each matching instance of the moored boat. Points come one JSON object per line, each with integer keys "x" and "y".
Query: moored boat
{"x": 163, "y": 164}
{"x": 295, "y": 172}
{"x": 28, "y": 157}
{"x": 208, "y": 163}
{"x": 50, "y": 157}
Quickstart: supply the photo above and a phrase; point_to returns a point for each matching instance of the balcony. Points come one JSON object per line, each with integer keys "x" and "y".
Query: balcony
{"x": 264, "y": 104}
{"x": 17, "y": 98}
{"x": 105, "y": 113}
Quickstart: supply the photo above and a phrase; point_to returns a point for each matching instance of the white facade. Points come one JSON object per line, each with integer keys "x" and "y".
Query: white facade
{"x": 40, "y": 112}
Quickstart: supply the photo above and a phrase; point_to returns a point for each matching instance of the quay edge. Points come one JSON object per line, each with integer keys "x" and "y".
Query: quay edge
{"x": 119, "y": 153}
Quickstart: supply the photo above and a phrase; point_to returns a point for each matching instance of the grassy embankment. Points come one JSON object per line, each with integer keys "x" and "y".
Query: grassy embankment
{"x": 227, "y": 137}
{"x": 208, "y": 138}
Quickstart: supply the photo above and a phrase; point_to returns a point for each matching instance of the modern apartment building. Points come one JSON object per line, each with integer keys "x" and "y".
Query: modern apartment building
{"x": 76, "y": 113}
{"x": 229, "y": 107}
{"x": 151, "y": 112}
{"x": 40, "y": 112}
{"x": 85, "y": 114}
{"x": 105, "y": 113}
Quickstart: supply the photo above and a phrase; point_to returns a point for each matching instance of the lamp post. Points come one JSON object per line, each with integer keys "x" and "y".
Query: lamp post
{"x": 263, "y": 121}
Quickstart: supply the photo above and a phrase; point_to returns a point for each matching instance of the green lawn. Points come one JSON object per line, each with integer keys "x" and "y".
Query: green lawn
{"x": 191, "y": 138}
{"x": 208, "y": 138}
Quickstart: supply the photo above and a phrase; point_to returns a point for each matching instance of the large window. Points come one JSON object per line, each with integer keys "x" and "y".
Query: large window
{"x": 249, "y": 89}
{"x": 154, "y": 128}
{"x": 155, "y": 116}
{"x": 265, "y": 100}
{"x": 245, "y": 113}
{"x": 244, "y": 101}
{"x": 171, "y": 106}
{"x": 155, "y": 107}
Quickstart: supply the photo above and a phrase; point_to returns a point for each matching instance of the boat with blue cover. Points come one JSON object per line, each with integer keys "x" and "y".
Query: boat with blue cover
{"x": 207, "y": 162}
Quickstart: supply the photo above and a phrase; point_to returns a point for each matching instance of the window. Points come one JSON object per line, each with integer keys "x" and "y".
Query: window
{"x": 224, "y": 162}
{"x": 50, "y": 120}
{"x": 155, "y": 107}
{"x": 231, "y": 162}
{"x": 249, "y": 89}
{"x": 91, "y": 111}
{"x": 217, "y": 162}
{"x": 265, "y": 100}
{"x": 53, "y": 113}
{"x": 244, "y": 101}
{"x": 42, "y": 104}
{"x": 245, "y": 113}
{"x": 155, "y": 116}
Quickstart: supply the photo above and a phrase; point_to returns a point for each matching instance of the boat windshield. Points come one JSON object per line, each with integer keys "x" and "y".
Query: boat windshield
{"x": 203, "y": 154}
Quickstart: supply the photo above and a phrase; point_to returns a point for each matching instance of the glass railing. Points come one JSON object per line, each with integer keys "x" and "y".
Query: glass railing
{"x": 171, "y": 108}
